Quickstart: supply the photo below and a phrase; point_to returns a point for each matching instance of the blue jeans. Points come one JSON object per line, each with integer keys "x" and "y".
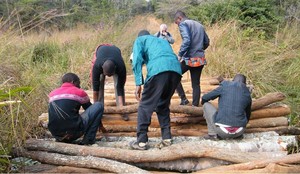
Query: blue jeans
{"x": 91, "y": 119}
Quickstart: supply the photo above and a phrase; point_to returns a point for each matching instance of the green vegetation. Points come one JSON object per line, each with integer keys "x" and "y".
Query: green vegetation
{"x": 249, "y": 37}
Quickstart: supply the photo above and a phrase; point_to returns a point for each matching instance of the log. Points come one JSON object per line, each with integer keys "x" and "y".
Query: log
{"x": 252, "y": 142}
{"x": 272, "y": 111}
{"x": 281, "y": 130}
{"x": 82, "y": 161}
{"x": 174, "y": 152}
{"x": 267, "y": 122}
{"x": 266, "y": 100}
{"x": 256, "y": 164}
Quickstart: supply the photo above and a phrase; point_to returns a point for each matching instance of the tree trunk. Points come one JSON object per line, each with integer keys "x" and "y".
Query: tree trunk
{"x": 268, "y": 122}
{"x": 174, "y": 152}
{"x": 266, "y": 100}
{"x": 257, "y": 164}
{"x": 82, "y": 161}
{"x": 272, "y": 111}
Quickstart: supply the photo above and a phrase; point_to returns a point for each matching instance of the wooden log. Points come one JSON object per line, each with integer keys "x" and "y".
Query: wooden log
{"x": 268, "y": 122}
{"x": 281, "y": 130}
{"x": 48, "y": 168}
{"x": 174, "y": 152}
{"x": 252, "y": 142}
{"x": 256, "y": 164}
{"x": 82, "y": 161}
{"x": 272, "y": 111}
{"x": 266, "y": 100}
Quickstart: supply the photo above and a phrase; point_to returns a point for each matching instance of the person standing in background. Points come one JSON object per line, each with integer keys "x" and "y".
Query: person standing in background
{"x": 164, "y": 34}
{"x": 191, "y": 54}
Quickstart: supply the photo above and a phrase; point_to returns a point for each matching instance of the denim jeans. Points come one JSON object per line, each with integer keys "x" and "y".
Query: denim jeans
{"x": 91, "y": 119}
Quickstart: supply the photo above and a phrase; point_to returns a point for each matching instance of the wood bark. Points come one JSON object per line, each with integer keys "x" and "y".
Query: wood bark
{"x": 267, "y": 99}
{"x": 268, "y": 122}
{"x": 272, "y": 111}
{"x": 256, "y": 164}
{"x": 82, "y": 161}
{"x": 174, "y": 152}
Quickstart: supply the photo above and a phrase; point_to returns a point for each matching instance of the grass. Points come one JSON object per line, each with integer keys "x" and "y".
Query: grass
{"x": 269, "y": 65}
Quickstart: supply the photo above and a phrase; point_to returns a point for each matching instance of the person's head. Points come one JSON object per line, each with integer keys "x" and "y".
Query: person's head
{"x": 239, "y": 78}
{"x": 109, "y": 68}
{"x": 143, "y": 33}
{"x": 179, "y": 16}
{"x": 163, "y": 28}
{"x": 71, "y": 78}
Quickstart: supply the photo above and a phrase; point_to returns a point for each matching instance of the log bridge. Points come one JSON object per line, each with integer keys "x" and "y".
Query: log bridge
{"x": 265, "y": 147}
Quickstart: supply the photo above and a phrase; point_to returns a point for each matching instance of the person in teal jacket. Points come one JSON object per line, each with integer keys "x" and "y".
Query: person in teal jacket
{"x": 163, "y": 76}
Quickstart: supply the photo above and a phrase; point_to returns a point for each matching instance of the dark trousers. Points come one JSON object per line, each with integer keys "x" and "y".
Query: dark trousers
{"x": 157, "y": 95}
{"x": 195, "y": 78}
{"x": 91, "y": 119}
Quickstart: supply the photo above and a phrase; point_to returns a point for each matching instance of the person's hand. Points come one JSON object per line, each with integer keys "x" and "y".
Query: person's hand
{"x": 138, "y": 90}
{"x": 164, "y": 33}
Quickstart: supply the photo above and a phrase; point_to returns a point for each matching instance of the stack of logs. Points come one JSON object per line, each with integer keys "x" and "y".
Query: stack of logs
{"x": 260, "y": 149}
{"x": 267, "y": 113}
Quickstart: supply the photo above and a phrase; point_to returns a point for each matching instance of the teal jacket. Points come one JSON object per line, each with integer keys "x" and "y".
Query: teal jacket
{"x": 158, "y": 56}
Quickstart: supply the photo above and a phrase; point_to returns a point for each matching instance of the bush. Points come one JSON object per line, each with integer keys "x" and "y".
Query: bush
{"x": 44, "y": 52}
{"x": 257, "y": 17}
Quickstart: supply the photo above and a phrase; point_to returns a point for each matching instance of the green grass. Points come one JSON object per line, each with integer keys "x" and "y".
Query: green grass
{"x": 269, "y": 65}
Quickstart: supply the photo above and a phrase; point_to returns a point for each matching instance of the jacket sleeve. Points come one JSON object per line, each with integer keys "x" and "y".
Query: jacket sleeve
{"x": 211, "y": 95}
{"x": 186, "y": 38}
{"x": 96, "y": 72}
{"x": 205, "y": 41}
{"x": 248, "y": 110}
{"x": 138, "y": 61}
{"x": 170, "y": 38}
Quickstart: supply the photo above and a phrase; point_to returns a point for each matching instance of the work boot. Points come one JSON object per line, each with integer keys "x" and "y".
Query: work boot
{"x": 184, "y": 102}
{"x": 138, "y": 146}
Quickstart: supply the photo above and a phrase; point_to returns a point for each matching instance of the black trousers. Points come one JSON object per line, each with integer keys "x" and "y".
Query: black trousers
{"x": 157, "y": 95}
{"x": 195, "y": 78}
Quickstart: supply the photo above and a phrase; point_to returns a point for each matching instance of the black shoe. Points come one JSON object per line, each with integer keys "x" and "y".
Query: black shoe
{"x": 211, "y": 137}
{"x": 184, "y": 102}
{"x": 125, "y": 117}
{"x": 87, "y": 142}
{"x": 134, "y": 145}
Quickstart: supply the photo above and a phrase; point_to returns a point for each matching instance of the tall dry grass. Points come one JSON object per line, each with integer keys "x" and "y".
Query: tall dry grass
{"x": 269, "y": 65}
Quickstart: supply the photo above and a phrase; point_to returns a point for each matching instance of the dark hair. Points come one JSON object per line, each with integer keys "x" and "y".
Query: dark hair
{"x": 179, "y": 13}
{"x": 240, "y": 78}
{"x": 109, "y": 67}
{"x": 143, "y": 32}
{"x": 71, "y": 78}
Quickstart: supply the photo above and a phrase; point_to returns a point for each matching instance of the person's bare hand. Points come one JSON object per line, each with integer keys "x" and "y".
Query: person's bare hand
{"x": 138, "y": 90}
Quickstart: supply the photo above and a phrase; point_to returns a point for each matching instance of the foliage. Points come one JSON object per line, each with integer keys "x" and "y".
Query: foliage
{"x": 254, "y": 17}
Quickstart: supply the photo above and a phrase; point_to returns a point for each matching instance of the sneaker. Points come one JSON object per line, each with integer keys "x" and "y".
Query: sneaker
{"x": 134, "y": 145}
{"x": 125, "y": 117}
{"x": 164, "y": 143}
{"x": 184, "y": 102}
{"x": 87, "y": 142}
{"x": 239, "y": 137}
{"x": 210, "y": 137}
